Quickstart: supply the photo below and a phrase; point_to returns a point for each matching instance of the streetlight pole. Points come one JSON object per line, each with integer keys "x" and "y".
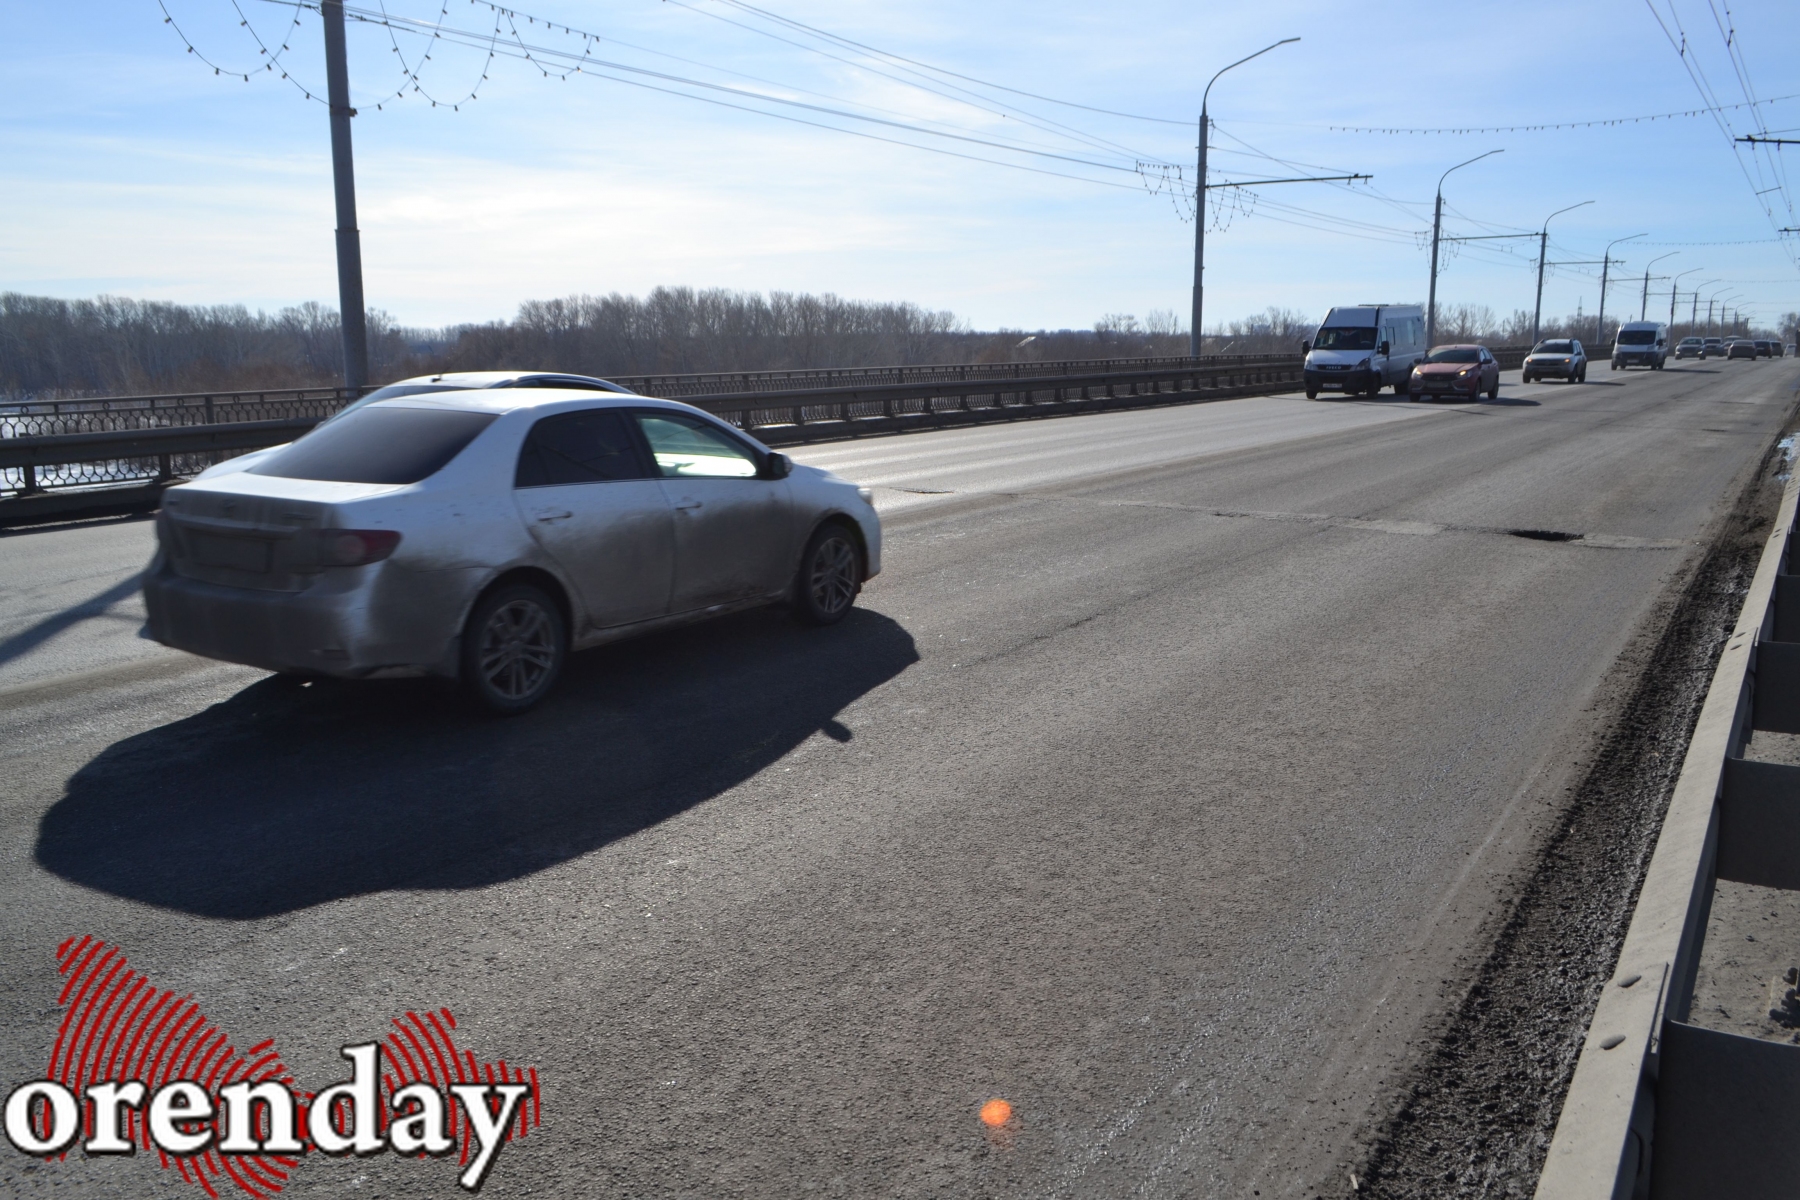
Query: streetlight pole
{"x": 1644, "y": 303}
{"x": 1200, "y": 197}
{"x": 1437, "y": 226}
{"x": 1673, "y": 285}
{"x": 1694, "y": 308}
{"x": 1543, "y": 253}
{"x": 1723, "y": 310}
{"x": 343, "y": 174}
{"x": 1605, "y": 265}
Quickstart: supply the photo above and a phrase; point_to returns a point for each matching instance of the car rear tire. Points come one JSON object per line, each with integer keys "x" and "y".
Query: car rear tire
{"x": 830, "y": 576}
{"x": 513, "y": 648}
{"x": 1311, "y": 394}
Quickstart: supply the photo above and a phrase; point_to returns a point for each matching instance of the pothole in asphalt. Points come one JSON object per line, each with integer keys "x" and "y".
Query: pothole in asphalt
{"x": 1545, "y": 535}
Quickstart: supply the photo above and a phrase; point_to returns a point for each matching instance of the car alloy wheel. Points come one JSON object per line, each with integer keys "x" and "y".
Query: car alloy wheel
{"x": 514, "y": 648}
{"x": 830, "y": 576}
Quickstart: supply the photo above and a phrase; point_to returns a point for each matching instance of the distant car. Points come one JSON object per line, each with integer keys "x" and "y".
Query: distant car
{"x": 423, "y": 385}
{"x": 481, "y": 535}
{"x": 1713, "y": 348}
{"x": 1740, "y": 348}
{"x": 1764, "y": 349}
{"x": 1559, "y": 358}
{"x": 1690, "y": 347}
{"x": 1790, "y": 349}
{"x": 1464, "y": 370}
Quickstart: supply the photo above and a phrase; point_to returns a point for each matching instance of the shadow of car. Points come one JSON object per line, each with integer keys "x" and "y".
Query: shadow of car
{"x": 289, "y": 795}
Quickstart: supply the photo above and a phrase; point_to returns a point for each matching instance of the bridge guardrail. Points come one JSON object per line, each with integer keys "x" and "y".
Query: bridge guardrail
{"x": 1658, "y": 1106}
{"x": 181, "y": 441}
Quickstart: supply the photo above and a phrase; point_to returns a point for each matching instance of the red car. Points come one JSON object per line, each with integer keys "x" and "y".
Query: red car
{"x": 1463, "y": 371}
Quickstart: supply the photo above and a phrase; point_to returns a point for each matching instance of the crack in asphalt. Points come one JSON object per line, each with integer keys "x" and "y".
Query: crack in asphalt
{"x": 1395, "y": 526}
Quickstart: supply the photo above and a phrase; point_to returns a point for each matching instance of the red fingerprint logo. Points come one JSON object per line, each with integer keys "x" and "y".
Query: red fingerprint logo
{"x": 118, "y": 1026}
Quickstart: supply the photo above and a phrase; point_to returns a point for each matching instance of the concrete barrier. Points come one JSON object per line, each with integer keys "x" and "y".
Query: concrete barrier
{"x": 1659, "y": 1107}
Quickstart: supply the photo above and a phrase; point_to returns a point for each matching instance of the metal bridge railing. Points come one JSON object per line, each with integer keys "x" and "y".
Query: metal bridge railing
{"x": 83, "y": 443}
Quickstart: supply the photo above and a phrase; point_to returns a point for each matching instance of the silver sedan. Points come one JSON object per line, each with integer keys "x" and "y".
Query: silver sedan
{"x": 483, "y": 535}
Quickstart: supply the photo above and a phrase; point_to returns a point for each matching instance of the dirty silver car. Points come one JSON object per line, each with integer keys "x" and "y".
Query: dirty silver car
{"x": 483, "y": 535}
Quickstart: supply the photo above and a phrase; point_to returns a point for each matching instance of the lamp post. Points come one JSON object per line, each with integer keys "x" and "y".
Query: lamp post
{"x": 1200, "y": 196}
{"x": 1676, "y": 283}
{"x": 1694, "y": 308}
{"x": 1437, "y": 225}
{"x": 1644, "y": 304}
{"x": 1605, "y": 264}
{"x": 1723, "y": 300}
{"x": 1543, "y": 253}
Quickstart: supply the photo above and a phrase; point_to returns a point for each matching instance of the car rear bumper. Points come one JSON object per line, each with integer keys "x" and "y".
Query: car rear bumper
{"x": 367, "y": 621}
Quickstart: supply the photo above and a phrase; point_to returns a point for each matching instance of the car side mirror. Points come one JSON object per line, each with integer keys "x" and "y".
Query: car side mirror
{"x": 1382, "y": 349}
{"x": 1306, "y": 347}
{"x": 777, "y": 466}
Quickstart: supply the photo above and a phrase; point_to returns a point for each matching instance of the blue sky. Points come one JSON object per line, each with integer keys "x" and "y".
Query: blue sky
{"x": 132, "y": 169}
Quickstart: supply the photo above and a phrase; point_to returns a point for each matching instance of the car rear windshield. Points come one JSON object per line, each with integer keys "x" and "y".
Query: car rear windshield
{"x": 1555, "y": 348}
{"x": 1358, "y": 337}
{"x": 1456, "y": 354}
{"x": 378, "y": 445}
{"x": 1637, "y": 337}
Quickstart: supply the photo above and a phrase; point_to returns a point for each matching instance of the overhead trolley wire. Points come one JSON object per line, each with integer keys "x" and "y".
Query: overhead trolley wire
{"x": 788, "y": 21}
{"x": 1048, "y": 125}
{"x": 528, "y": 50}
{"x": 1541, "y": 127}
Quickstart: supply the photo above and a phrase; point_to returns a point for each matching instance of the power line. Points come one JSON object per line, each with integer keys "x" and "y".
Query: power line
{"x": 739, "y": 4}
{"x": 531, "y": 52}
{"x": 1552, "y": 125}
{"x": 1047, "y": 125}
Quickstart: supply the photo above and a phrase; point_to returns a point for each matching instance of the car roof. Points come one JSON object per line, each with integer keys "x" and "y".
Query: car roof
{"x": 505, "y": 400}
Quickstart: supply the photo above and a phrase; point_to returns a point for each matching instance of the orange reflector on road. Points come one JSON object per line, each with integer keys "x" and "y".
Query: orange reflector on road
{"x": 996, "y": 1112}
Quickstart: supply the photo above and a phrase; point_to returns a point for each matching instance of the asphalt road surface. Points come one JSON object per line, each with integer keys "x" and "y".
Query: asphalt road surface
{"x": 1164, "y": 785}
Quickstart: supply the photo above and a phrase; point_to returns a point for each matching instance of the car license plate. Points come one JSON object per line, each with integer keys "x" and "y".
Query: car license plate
{"x": 233, "y": 553}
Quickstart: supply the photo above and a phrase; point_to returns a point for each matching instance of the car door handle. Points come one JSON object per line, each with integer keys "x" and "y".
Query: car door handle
{"x": 550, "y": 516}
{"x": 688, "y": 505}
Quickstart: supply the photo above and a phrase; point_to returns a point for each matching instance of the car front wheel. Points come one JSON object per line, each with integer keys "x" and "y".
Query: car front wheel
{"x": 513, "y": 648}
{"x": 830, "y": 576}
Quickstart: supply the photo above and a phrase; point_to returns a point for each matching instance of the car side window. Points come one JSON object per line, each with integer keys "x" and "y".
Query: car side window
{"x": 590, "y": 446}
{"x": 685, "y": 448}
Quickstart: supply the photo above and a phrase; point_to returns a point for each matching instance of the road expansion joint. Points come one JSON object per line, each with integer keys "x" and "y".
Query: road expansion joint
{"x": 1475, "y": 1117}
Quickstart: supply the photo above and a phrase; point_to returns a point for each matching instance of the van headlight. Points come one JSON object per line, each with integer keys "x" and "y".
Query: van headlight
{"x": 1363, "y": 365}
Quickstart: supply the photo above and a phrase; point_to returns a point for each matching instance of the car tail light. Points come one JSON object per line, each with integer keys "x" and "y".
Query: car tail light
{"x": 355, "y": 547}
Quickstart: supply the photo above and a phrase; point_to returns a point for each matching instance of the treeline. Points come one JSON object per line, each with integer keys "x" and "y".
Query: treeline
{"x": 117, "y": 346}
{"x": 53, "y": 348}
{"x": 114, "y": 346}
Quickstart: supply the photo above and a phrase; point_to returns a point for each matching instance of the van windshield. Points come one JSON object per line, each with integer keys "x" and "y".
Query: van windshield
{"x": 1636, "y": 337}
{"x": 1359, "y": 337}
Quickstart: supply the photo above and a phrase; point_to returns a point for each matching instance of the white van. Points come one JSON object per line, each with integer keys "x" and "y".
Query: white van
{"x": 1640, "y": 344}
{"x": 1363, "y": 348}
